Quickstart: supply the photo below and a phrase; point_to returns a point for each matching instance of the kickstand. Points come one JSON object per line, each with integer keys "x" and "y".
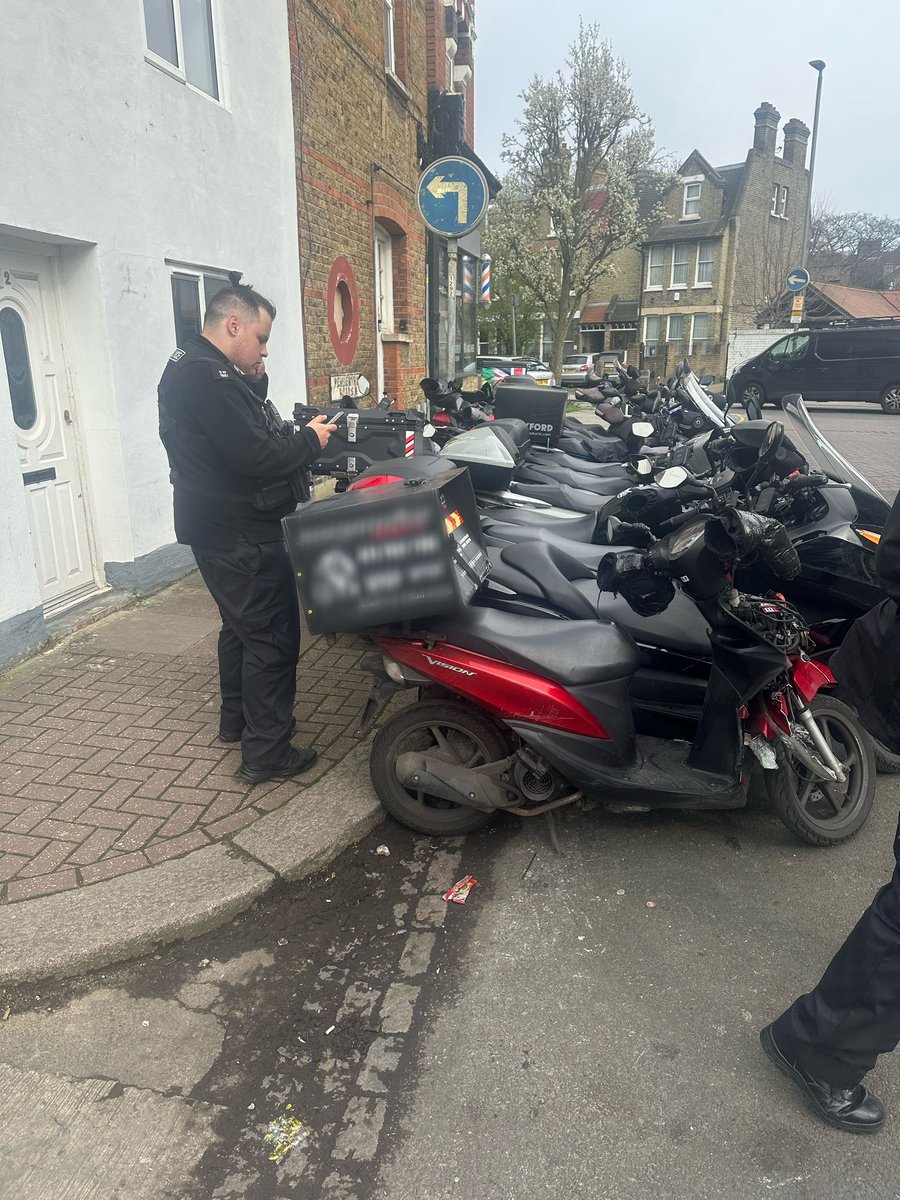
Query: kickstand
{"x": 554, "y": 836}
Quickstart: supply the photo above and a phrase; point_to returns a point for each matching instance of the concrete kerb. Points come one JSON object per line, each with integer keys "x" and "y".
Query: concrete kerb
{"x": 110, "y": 922}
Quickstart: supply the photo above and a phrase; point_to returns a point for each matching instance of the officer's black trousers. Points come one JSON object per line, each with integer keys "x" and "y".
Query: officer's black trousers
{"x": 259, "y": 644}
{"x": 837, "y": 1031}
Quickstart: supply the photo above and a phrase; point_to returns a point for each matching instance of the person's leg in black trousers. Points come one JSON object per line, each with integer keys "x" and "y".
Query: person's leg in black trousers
{"x": 835, "y": 1033}
{"x": 253, "y": 587}
{"x": 231, "y": 671}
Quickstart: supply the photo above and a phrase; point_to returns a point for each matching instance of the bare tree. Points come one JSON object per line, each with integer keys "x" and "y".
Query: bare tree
{"x": 583, "y": 183}
{"x": 763, "y": 260}
{"x": 855, "y": 248}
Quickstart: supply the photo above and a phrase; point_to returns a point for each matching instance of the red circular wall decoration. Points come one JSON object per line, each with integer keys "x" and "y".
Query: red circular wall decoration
{"x": 343, "y": 311}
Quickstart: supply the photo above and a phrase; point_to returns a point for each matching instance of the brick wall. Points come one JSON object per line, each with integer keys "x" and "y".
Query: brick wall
{"x": 357, "y": 141}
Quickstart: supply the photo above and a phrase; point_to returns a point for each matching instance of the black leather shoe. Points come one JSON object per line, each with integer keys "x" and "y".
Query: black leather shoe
{"x": 295, "y": 762}
{"x": 853, "y": 1109}
{"x": 234, "y": 735}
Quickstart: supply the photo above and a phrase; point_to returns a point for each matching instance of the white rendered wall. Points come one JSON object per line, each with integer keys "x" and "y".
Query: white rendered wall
{"x": 109, "y": 151}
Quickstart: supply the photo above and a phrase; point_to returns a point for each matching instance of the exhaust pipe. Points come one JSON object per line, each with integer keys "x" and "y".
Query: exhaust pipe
{"x": 473, "y": 787}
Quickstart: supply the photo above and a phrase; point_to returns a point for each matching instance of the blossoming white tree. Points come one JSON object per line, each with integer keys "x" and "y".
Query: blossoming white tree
{"x": 583, "y": 183}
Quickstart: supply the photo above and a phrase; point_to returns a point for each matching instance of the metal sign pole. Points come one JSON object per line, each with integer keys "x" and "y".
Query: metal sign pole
{"x": 452, "y": 254}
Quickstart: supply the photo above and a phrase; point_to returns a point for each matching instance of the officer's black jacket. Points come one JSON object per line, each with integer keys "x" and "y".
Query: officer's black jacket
{"x": 235, "y": 467}
{"x": 867, "y": 663}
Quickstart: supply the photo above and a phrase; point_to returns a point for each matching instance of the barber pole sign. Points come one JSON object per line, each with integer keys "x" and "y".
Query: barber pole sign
{"x": 486, "y": 279}
{"x": 468, "y": 281}
{"x": 410, "y": 443}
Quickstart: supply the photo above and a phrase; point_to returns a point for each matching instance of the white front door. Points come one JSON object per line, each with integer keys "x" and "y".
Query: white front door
{"x": 35, "y": 385}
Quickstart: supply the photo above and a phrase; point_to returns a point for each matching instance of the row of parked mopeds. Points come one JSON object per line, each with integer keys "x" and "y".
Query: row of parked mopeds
{"x": 667, "y": 589}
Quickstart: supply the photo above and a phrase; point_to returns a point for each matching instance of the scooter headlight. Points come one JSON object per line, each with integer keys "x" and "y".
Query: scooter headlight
{"x": 685, "y": 538}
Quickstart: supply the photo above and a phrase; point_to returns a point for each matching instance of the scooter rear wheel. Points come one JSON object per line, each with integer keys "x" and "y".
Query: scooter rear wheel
{"x": 450, "y": 729}
{"x": 820, "y": 814}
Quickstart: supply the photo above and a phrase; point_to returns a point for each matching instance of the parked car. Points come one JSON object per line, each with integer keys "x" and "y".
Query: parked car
{"x": 859, "y": 361}
{"x": 576, "y": 369}
{"x": 514, "y": 365}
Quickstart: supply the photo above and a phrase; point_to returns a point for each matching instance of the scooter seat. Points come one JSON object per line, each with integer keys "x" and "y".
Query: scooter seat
{"x": 585, "y": 528}
{"x": 560, "y": 460}
{"x": 574, "y": 499}
{"x": 573, "y": 653}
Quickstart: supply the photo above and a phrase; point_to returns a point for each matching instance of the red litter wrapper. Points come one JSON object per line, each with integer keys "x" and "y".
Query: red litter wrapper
{"x": 459, "y": 893}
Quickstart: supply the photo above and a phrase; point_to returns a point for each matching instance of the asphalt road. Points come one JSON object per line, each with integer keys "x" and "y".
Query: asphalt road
{"x": 865, "y": 435}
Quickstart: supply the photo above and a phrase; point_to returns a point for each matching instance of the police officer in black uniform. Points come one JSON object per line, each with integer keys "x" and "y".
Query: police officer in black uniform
{"x": 830, "y": 1038}
{"x": 237, "y": 468}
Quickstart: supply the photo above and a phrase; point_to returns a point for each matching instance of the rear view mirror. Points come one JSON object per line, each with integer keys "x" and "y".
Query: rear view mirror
{"x": 428, "y": 431}
{"x": 642, "y": 429}
{"x": 363, "y": 386}
{"x": 672, "y": 477}
{"x": 643, "y": 466}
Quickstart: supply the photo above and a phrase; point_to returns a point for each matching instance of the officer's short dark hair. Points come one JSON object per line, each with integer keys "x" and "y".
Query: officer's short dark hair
{"x": 238, "y": 298}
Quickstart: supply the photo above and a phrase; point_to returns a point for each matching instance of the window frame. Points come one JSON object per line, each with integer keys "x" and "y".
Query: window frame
{"x": 651, "y": 266}
{"x": 780, "y": 195}
{"x": 705, "y": 283}
{"x": 694, "y": 339}
{"x": 177, "y": 70}
{"x": 686, "y": 199}
{"x": 390, "y": 39}
{"x": 669, "y": 319}
{"x": 384, "y": 280}
{"x": 199, "y": 275}
{"x": 648, "y": 341}
{"x": 686, "y": 265}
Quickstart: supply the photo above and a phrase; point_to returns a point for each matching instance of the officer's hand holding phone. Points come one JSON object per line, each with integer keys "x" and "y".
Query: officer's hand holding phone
{"x": 322, "y": 429}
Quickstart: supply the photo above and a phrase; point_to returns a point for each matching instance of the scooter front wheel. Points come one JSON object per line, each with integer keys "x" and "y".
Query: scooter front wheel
{"x": 448, "y": 729}
{"x": 819, "y": 813}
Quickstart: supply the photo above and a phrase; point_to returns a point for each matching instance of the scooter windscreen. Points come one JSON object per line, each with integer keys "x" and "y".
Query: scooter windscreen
{"x": 702, "y": 402}
{"x": 822, "y": 456}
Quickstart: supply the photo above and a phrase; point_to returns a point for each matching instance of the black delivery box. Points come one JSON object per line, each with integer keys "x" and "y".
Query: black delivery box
{"x": 541, "y": 408}
{"x": 385, "y": 554}
{"x": 363, "y": 436}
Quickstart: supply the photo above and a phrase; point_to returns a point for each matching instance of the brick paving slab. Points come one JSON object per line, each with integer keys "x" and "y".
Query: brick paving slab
{"x": 109, "y": 761}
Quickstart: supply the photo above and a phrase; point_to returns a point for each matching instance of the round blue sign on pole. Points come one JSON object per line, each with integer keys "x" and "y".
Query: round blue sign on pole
{"x": 797, "y": 279}
{"x": 452, "y": 196}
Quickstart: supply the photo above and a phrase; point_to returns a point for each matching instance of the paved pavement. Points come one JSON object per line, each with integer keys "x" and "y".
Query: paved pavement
{"x": 111, "y": 773}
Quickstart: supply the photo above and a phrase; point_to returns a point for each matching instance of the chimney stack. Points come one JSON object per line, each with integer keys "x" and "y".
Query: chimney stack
{"x": 796, "y": 138}
{"x": 767, "y": 117}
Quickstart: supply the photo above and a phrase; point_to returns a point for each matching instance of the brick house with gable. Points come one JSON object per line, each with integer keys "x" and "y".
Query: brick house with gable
{"x": 718, "y": 260}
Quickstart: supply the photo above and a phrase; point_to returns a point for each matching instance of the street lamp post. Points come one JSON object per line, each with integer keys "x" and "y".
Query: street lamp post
{"x": 818, "y": 66}
{"x": 514, "y": 304}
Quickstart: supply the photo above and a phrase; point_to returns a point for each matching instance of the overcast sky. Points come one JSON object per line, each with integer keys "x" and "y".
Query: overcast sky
{"x": 699, "y": 71}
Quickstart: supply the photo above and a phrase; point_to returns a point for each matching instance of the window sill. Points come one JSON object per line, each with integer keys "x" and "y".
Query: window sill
{"x": 397, "y": 84}
{"x": 401, "y": 338}
{"x": 778, "y": 216}
{"x": 654, "y": 287}
{"x": 702, "y": 285}
{"x": 691, "y": 217}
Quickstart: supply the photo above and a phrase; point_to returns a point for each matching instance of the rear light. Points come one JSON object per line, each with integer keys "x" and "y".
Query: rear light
{"x": 373, "y": 481}
{"x": 517, "y": 371}
{"x": 440, "y": 418}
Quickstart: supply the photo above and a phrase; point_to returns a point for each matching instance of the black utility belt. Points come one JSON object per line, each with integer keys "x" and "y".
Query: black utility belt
{"x": 271, "y": 496}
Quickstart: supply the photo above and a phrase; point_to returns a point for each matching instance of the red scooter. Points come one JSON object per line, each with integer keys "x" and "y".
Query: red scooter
{"x": 528, "y": 714}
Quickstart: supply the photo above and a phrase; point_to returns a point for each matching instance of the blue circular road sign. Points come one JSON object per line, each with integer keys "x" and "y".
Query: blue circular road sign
{"x": 797, "y": 279}
{"x": 452, "y": 196}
